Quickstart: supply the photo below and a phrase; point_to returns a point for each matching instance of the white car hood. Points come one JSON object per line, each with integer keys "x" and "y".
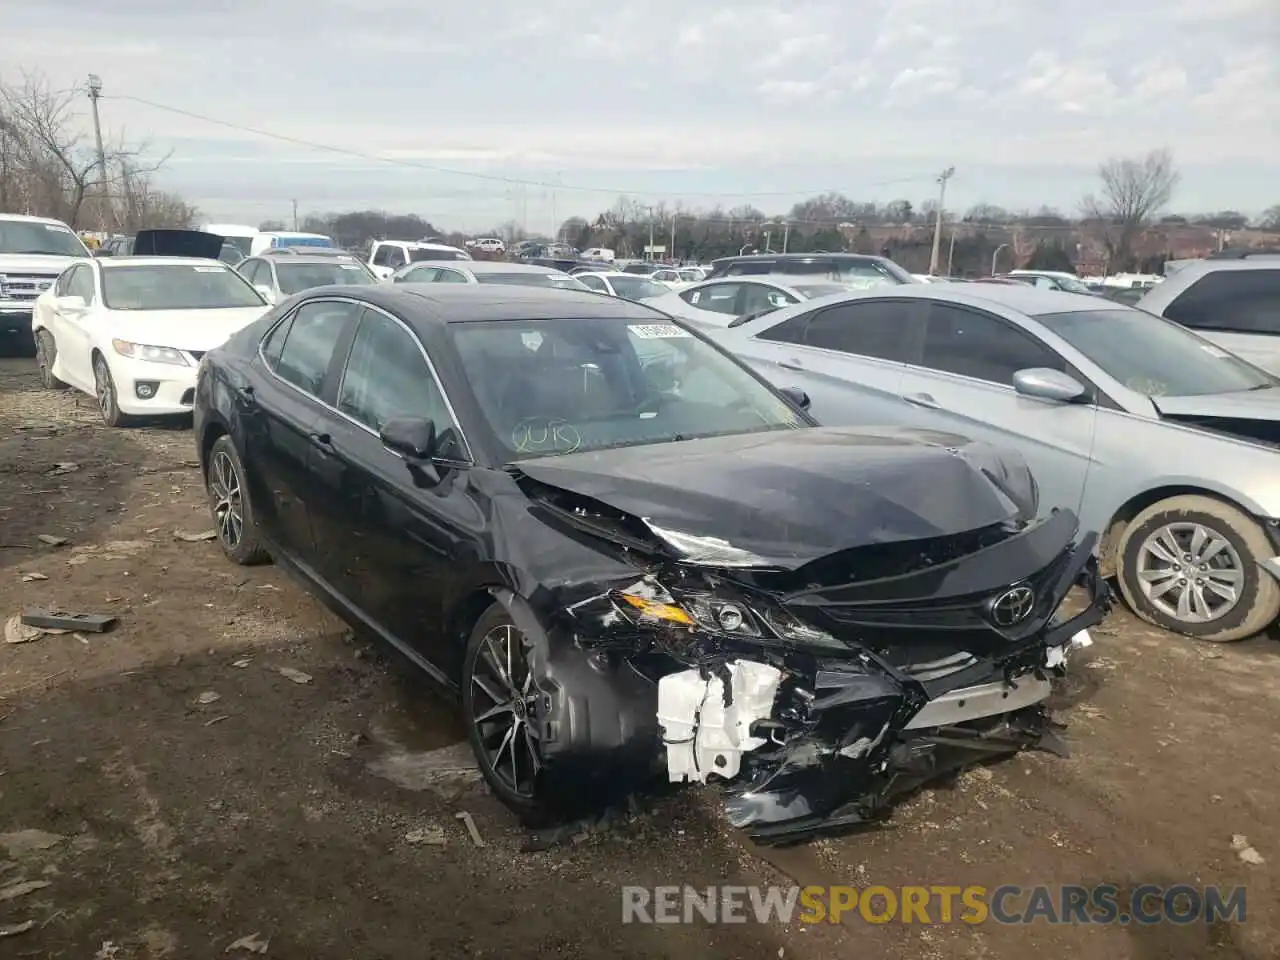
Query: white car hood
{"x": 191, "y": 330}
{"x": 34, "y": 263}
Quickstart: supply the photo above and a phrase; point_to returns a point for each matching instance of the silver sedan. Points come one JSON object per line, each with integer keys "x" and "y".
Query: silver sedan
{"x": 717, "y": 303}
{"x": 1163, "y": 442}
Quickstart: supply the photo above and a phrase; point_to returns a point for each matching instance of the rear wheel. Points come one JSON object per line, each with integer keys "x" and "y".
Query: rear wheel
{"x": 499, "y": 697}
{"x": 233, "y": 518}
{"x": 1190, "y": 564}
{"x": 46, "y": 354}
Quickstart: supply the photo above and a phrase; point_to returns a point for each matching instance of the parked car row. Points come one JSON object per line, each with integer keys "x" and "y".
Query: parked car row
{"x": 720, "y": 532}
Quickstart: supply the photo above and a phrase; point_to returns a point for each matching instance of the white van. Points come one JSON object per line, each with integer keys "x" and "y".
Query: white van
{"x": 238, "y": 235}
{"x": 602, "y": 254}
{"x": 274, "y": 239}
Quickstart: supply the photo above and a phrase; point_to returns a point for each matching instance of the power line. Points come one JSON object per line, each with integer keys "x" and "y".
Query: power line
{"x": 475, "y": 175}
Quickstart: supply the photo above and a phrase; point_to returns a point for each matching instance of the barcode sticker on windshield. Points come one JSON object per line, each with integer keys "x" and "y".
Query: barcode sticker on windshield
{"x": 657, "y": 331}
{"x": 207, "y": 269}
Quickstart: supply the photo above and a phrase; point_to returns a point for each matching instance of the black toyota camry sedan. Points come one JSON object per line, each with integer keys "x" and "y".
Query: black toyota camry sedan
{"x": 631, "y": 558}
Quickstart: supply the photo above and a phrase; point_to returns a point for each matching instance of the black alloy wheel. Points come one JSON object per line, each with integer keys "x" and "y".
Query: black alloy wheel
{"x": 499, "y": 697}
{"x": 233, "y": 519}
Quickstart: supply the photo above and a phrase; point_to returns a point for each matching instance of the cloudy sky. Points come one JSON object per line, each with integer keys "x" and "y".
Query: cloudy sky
{"x": 440, "y": 108}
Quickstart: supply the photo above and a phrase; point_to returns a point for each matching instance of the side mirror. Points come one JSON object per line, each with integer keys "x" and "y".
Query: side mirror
{"x": 268, "y": 294}
{"x": 1046, "y": 384}
{"x": 796, "y": 396}
{"x": 414, "y": 438}
{"x": 72, "y": 304}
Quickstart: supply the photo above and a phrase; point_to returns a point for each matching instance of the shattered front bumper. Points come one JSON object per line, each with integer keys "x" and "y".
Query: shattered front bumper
{"x": 866, "y": 732}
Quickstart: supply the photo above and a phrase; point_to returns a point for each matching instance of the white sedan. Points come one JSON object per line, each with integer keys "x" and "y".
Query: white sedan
{"x": 715, "y": 303}
{"x": 130, "y": 331}
{"x": 628, "y": 286}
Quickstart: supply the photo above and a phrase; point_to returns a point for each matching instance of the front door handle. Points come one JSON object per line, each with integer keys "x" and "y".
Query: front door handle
{"x": 922, "y": 400}
{"x": 321, "y": 441}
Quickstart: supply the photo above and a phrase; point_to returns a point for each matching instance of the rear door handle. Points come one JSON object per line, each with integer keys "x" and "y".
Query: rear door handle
{"x": 321, "y": 441}
{"x": 922, "y": 400}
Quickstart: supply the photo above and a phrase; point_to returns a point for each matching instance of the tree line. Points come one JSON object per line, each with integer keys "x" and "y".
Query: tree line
{"x": 50, "y": 165}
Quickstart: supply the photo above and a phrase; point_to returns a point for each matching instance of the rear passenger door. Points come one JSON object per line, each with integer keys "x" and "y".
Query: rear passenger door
{"x": 847, "y": 357}
{"x": 961, "y": 381}
{"x": 1237, "y": 309}
{"x": 283, "y": 429}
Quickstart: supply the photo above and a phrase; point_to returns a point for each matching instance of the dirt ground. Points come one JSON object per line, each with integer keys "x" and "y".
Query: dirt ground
{"x": 177, "y": 793}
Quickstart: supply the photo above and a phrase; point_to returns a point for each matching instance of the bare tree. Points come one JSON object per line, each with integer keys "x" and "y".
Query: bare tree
{"x": 1133, "y": 191}
{"x": 49, "y": 158}
{"x": 1270, "y": 219}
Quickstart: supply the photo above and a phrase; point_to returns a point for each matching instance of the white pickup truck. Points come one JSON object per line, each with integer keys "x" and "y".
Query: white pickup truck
{"x": 33, "y": 251}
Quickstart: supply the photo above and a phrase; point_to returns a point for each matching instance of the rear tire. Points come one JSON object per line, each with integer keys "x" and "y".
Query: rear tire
{"x": 229, "y": 504}
{"x": 46, "y": 355}
{"x": 1206, "y": 550}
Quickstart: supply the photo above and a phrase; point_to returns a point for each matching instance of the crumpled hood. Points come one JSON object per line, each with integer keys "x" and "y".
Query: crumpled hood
{"x": 1244, "y": 405}
{"x": 198, "y": 330}
{"x": 786, "y": 497}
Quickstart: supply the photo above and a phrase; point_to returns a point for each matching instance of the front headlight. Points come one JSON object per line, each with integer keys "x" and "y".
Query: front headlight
{"x": 142, "y": 351}
{"x": 757, "y": 621}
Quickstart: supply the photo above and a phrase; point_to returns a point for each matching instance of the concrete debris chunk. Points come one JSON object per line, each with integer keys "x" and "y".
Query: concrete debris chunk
{"x": 1245, "y": 851}
{"x": 32, "y": 576}
{"x": 250, "y": 944}
{"x": 297, "y": 676}
{"x": 14, "y": 929}
{"x": 209, "y": 696}
{"x": 471, "y": 828}
{"x": 195, "y": 537}
{"x": 50, "y": 540}
{"x": 432, "y": 835}
{"x": 15, "y": 631}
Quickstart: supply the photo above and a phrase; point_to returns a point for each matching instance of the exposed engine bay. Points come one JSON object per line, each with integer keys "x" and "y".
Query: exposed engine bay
{"x": 813, "y": 694}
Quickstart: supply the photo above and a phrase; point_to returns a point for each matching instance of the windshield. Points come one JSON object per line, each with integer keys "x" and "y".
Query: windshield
{"x": 243, "y": 244}
{"x": 1154, "y": 356}
{"x": 560, "y": 281}
{"x": 811, "y": 290}
{"x": 417, "y": 256}
{"x": 295, "y": 277}
{"x": 550, "y": 387}
{"x": 176, "y": 286}
{"x": 25, "y": 236}
{"x": 637, "y": 288}
{"x": 1072, "y": 285}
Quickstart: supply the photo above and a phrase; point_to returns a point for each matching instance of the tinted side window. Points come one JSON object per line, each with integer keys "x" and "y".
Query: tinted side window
{"x": 716, "y": 297}
{"x": 863, "y": 329}
{"x": 978, "y": 345}
{"x": 418, "y": 275}
{"x": 382, "y": 256}
{"x": 274, "y": 343}
{"x": 64, "y": 282}
{"x": 308, "y": 346}
{"x": 1247, "y": 301}
{"x": 386, "y": 377}
{"x": 80, "y": 284}
{"x": 595, "y": 283}
{"x": 249, "y": 270}
{"x": 760, "y": 298}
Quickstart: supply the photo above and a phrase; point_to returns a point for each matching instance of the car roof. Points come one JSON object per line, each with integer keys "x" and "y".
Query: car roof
{"x": 748, "y": 257}
{"x": 310, "y": 258}
{"x": 111, "y": 263}
{"x": 1031, "y": 301}
{"x": 26, "y": 218}
{"x": 497, "y": 266}
{"x": 440, "y": 304}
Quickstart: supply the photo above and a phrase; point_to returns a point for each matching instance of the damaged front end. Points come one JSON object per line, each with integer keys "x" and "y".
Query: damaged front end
{"x": 814, "y": 696}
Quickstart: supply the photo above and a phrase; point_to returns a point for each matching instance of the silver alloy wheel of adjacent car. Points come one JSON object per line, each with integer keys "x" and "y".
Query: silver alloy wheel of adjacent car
{"x": 1190, "y": 572}
{"x": 228, "y": 508}
{"x": 104, "y": 388}
{"x": 502, "y": 678}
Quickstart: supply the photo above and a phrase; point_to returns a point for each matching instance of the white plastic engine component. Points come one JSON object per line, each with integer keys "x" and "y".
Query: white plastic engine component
{"x": 701, "y": 735}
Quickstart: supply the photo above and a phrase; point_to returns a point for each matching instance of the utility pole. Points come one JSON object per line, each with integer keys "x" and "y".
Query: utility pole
{"x": 295, "y": 216}
{"x": 671, "y": 250}
{"x": 786, "y": 235}
{"x": 951, "y": 252}
{"x": 95, "y": 92}
{"x": 554, "y": 219}
{"x": 650, "y": 250}
{"x": 943, "y": 177}
{"x": 995, "y": 255}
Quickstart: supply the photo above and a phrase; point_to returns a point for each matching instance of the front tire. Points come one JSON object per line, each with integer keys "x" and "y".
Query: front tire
{"x": 46, "y": 355}
{"x": 105, "y": 390}
{"x": 1190, "y": 564}
{"x": 233, "y": 518}
{"x": 499, "y": 697}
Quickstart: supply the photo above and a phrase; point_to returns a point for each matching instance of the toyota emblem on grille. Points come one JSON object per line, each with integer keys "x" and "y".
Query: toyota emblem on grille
{"x": 1013, "y": 606}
